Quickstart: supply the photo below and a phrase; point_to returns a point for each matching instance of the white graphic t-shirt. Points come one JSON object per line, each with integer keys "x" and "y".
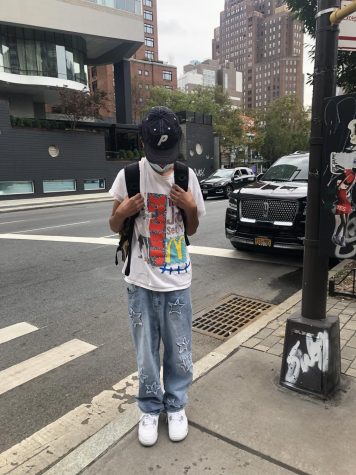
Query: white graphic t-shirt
{"x": 159, "y": 260}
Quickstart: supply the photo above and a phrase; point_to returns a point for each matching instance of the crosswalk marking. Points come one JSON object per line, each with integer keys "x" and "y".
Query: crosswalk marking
{"x": 200, "y": 250}
{"x": 15, "y": 331}
{"x": 23, "y": 372}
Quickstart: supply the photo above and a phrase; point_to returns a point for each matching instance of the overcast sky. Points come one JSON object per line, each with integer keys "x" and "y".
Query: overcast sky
{"x": 186, "y": 29}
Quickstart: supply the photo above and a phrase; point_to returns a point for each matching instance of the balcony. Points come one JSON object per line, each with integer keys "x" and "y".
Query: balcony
{"x": 132, "y": 6}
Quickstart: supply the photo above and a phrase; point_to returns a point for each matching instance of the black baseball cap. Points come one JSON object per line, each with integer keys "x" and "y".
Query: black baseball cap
{"x": 161, "y": 134}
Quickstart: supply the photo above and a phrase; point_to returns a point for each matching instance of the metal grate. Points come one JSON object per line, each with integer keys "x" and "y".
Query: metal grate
{"x": 229, "y": 316}
{"x": 269, "y": 210}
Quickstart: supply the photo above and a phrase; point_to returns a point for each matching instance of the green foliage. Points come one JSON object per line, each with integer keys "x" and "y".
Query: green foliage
{"x": 282, "y": 129}
{"x": 78, "y": 105}
{"x": 305, "y": 11}
{"x": 130, "y": 155}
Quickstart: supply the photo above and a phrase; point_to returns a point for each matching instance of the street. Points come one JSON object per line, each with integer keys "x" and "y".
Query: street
{"x": 61, "y": 279}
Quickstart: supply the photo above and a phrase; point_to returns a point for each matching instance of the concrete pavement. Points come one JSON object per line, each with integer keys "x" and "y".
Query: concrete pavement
{"x": 241, "y": 420}
{"x": 7, "y": 206}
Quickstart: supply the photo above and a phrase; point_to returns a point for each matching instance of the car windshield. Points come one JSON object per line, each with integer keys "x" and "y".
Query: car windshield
{"x": 223, "y": 173}
{"x": 288, "y": 169}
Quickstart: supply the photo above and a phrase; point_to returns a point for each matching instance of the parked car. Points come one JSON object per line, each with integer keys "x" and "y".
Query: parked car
{"x": 224, "y": 180}
{"x": 270, "y": 213}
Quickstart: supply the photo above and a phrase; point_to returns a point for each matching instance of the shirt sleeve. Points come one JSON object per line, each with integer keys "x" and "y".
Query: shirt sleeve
{"x": 194, "y": 187}
{"x": 118, "y": 189}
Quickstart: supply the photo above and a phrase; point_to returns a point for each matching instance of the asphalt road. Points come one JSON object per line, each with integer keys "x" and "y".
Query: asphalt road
{"x": 73, "y": 291}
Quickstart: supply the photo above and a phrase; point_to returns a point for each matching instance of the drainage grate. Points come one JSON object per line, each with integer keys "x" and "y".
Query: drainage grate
{"x": 229, "y": 316}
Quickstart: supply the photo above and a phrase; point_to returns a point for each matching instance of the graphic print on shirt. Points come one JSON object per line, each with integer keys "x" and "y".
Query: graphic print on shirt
{"x": 163, "y": 244}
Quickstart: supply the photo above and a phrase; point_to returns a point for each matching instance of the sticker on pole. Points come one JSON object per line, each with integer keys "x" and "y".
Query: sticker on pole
{"x": 347, "y": 36}
{"x": 338, "y": 190}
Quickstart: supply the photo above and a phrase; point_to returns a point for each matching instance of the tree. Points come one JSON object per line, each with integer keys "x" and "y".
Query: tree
{"x": 284, "y": 128}
{"x": 305, "y": 11}
{"x": 78, "y": 105}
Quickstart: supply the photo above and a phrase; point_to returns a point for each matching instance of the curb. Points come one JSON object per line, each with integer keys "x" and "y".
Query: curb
{"x": 102, "y": 441}
{"x": 11, "y": 209}
{"x": 106, "y": 438}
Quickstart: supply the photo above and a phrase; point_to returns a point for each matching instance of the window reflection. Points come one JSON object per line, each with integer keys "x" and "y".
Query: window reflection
{"x": 133, "y": 6}
{"x": 39, "y": 53}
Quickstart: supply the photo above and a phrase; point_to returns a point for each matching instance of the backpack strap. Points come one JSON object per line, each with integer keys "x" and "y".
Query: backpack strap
{"x": 132, "y": 179}
{"x": 181, "y": 178}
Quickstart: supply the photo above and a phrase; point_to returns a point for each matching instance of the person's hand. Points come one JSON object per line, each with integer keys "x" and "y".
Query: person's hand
{"x": 182, "y": 199}
{"x": 131, "y": 206}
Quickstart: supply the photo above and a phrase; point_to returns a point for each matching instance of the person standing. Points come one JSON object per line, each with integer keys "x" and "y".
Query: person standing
{"x": 159, "y": 280}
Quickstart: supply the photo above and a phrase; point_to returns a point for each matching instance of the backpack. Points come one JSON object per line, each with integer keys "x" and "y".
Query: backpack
{"x": 132, "y": 178}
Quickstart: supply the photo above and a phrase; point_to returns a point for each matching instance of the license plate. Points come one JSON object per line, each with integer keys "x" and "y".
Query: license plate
{"x": 263, "y": 241}
{"x": 205, "y": 192}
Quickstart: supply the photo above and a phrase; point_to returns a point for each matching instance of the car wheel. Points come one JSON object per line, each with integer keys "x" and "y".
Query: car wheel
{"x": 229, "y": 189}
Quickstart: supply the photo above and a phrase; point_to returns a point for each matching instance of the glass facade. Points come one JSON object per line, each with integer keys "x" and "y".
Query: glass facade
{"x": 31, "y": 52}
{"x": 94, "y": 184}
{"x": 55, "y": 186}
{"x": 16, "y": 188}
{"x": 133, "y": 6}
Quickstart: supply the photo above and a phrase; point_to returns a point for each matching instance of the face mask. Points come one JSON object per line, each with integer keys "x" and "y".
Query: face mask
{"x": 159, "y": 169}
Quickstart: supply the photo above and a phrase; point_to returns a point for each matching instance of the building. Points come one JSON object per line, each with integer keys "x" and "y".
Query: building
{"x": 46, "y": 45}
{"x": 210, "y": 73}
{"x": 142, "y": 71}
{"x": 265, "y": 42}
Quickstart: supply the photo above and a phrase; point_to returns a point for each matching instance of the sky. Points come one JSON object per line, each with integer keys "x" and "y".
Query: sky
{"x": 186, "y": 29}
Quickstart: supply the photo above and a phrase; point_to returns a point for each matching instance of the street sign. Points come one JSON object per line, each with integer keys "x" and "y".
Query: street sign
{"x": 347, "y": 35}
{"x": 338, "y": 192}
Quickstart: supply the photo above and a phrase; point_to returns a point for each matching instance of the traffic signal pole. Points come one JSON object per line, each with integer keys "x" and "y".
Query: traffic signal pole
{"x": 311, "y": 357}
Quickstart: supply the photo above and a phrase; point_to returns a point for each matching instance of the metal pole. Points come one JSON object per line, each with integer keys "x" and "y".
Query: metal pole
{"x": 313, "y": 325}
{"x": 315, "y": 266}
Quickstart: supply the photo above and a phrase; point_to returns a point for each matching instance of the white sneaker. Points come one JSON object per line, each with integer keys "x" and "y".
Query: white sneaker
{"x": 148, "y": 429}
{"x": 177, "y": 425}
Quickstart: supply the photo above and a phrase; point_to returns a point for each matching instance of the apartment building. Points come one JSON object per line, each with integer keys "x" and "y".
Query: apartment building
{"x": 46, "y": 44}
{"x": 142, "y": 71}
{"x": 211, "y": 73}
{"x": 265, "y": 42}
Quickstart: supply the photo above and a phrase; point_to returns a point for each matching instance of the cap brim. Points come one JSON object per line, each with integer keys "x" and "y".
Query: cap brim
{"x": 162, "y": 157}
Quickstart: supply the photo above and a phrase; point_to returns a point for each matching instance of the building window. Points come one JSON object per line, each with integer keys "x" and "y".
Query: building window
{"x": 93, "y": 72}
{"x": 16, "y": 188}
{"x": 58, "y": 186}
{"x": 149, "y": 55}
{"x": 147, "y": 73}
{"x": 140, "y": 72}
{"x": 94, "y": 86}
{"x": 149, "y": 29}
{"x": 94, "y": 184}
{"x": 149, "y": 42}
{"x": 147, "y": 3}
{"x": 30, "y": 52}
{"x": 147, "y": 15}
{"x": 167, "y": 75}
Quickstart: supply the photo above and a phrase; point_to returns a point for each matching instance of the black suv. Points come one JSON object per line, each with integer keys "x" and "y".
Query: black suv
{"x": 224, "y": 180}
{"x": 270, "y": 213}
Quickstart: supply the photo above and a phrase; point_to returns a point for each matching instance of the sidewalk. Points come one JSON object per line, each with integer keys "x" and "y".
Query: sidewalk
{"x": 241, "y": 420}
{"x": 7, "y": 206}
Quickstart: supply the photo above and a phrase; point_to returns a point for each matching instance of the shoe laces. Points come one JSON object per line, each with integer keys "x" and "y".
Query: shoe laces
{"x": 176, "y": 416}
{"x": 148, "y": 419}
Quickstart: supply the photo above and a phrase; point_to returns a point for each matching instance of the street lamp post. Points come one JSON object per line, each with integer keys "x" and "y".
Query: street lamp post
{"x": 311, "y": 357}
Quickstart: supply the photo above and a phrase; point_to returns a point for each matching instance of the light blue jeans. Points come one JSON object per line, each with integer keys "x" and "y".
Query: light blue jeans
{"x": 168, "y": 316}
